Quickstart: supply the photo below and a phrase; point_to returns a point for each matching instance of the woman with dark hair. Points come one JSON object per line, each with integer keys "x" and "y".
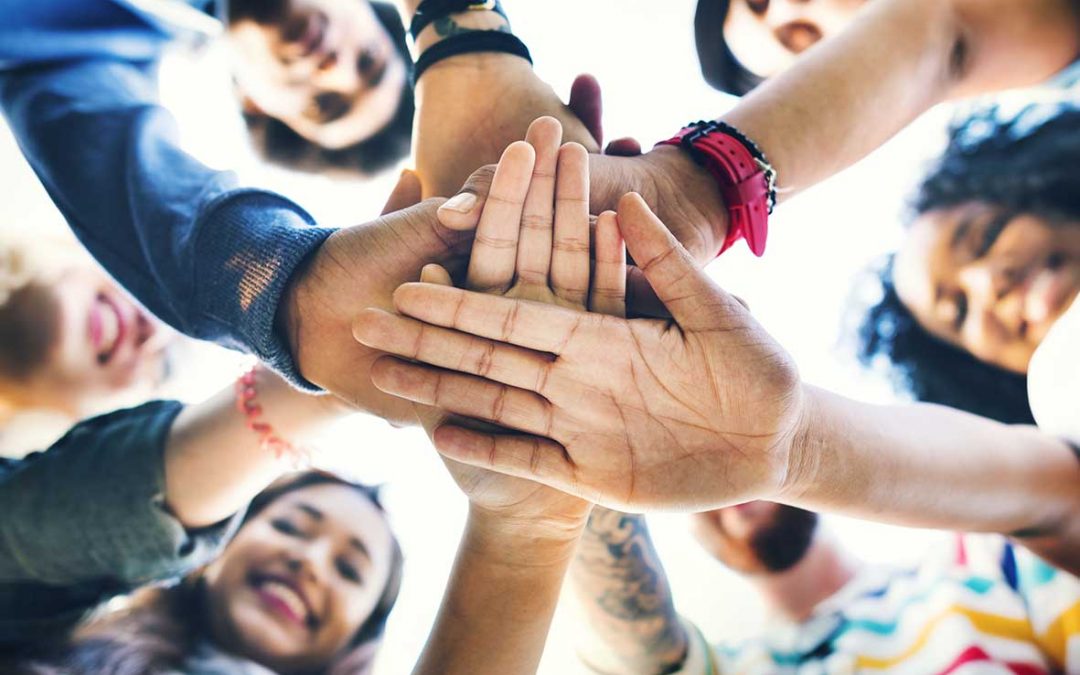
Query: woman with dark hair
{"x": 306, "y": 585}
{"x": 325, "y": 83}
{"x": 990, "y": 264}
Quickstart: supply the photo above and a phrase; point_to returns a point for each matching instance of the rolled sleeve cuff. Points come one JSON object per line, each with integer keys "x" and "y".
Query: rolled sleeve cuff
{"x": 250, "y": 244}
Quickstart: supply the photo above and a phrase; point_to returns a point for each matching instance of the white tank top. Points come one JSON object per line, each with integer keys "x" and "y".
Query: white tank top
{"x": 1054, "y": 378}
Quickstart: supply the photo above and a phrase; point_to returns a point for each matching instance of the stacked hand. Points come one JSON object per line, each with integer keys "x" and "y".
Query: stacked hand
{"x": 532, "y": 243}
{"x": 692, "y": 413}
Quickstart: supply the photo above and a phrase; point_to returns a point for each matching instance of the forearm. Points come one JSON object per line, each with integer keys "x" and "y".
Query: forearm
{"x": 215, "y": 464}
{"x": 624, "y": 593}
{"x": 848, "y": 96}
{"x": 929, "y": 466}
{"x": 499, "y": 602}
{"x": 209, "y": 258}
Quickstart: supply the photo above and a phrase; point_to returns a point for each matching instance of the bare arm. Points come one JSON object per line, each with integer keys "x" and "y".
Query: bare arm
{"x": 500, "y": 599}
{"x": 214, "y": 464}
{"x": 849, "y": 95}
{"x": 624, "y": 593}
{"x": 929, "y": 466}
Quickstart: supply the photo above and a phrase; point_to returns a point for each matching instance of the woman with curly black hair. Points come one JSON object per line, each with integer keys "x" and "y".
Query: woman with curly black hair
{"x": 990, "y": 264}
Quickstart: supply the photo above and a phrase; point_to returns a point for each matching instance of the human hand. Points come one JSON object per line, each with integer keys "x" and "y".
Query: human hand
{"x": 356, "y": 268}
{"x": 532, "y": 243}
{"x": 472, "y": 106}
{"x": 693, "y": 413}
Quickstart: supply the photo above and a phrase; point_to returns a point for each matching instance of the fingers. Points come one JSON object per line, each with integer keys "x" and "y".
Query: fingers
{"x": 530, "y": 457}
{"x": 608, "y": 294}
{"x": 406, "y": 193}
{"x": 570, "y": 249}
{"x": 684, "y": 289}
{"x": 534, "y": 247}
{"x": 623, "y": 147}
{"x": 494, "y": 252}
{"x": 453, "y": 350}
{"x": 462, "y": 211}
{"x": 543, "y": 328}
{"x": 641, "y": 300}
{"x": 586, "y": 103}
{"x": 435, "y": 274}
{"x": 464, "y": 395}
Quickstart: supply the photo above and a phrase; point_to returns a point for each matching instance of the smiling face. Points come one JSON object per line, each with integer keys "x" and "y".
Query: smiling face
{"x": 766, "y": 36}
{"x": 300, "y": 578}
{"x": 92, "y": 341}
{"x": 989, "y": 282}
{"x": 326, "y": 68}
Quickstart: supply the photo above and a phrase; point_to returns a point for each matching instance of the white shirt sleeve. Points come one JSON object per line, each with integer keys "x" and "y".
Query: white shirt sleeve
{"x": 1054, "y": 378}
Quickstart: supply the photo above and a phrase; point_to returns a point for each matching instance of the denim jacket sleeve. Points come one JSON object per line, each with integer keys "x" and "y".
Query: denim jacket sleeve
{"x": 78, "y": 87}
{"x": 86, "y": 520}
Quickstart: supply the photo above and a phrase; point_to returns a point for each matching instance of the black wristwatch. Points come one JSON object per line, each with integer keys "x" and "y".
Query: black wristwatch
{"x": 430, "y": 11}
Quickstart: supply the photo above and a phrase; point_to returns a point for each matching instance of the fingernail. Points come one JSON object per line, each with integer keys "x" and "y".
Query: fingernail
{"x": 462, "y": 202}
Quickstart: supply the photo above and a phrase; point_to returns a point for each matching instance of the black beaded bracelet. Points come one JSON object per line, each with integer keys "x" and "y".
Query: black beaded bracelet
{"x": 751, "y": 147}
{"x": 469, "y": 43}
{"x": 431, "y": 11}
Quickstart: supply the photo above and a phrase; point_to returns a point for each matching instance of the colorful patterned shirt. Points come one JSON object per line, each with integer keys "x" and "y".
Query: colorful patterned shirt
{"x": 986, "y": 607}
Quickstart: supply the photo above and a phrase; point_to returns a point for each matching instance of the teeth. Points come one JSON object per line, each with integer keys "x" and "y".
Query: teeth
{"x": 110, "y": 328}
{"x": 288, "y": 596}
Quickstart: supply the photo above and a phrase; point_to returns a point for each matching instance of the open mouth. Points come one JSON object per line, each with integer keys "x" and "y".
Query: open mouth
{"x": 283, "y": 596}
{"x": 108, "y": 328}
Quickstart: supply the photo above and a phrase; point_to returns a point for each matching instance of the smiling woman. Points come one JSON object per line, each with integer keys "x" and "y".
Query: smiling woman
{"x": 69, "y": 335}
{"x": 325, "y": 83}
{"x": 990, "y": 264}
{"x": 306, "y": 586}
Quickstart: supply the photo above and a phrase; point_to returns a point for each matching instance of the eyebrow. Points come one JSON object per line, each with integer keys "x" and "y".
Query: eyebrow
{"x": 960, "y": 233}
{"x": 359, "y": 546}
{"x": 311, "y": 511}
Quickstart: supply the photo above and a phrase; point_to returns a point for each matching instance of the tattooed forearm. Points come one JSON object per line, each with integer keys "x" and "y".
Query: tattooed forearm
{"x": 448, "y": 27}
{"x": 625, "y": 593}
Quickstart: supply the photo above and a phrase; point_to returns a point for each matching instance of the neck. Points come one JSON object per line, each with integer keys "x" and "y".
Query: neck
{"x": 823, "y": 571}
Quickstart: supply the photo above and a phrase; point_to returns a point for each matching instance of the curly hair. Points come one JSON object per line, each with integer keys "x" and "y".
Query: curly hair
{"x": 1014, "y": 165}
{"x": 158, "y": 629}
{"x": 276, "y": 143}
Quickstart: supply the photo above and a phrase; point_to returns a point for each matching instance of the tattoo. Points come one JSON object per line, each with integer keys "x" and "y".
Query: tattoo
{"x": 446, "y": 27}
{"x": 626, "y": 592}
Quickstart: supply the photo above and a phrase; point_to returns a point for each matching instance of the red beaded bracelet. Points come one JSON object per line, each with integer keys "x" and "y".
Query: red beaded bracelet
{"x": 246, "y": 404}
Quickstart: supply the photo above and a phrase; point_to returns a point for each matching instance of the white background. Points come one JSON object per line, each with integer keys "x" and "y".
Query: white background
{"x": 642, "y": 52}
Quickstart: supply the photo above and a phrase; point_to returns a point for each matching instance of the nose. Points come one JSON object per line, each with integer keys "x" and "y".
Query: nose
{"x": 338, "y": 73}
{"x": 989, "y": 288}
{"x": 785, "y": 11}
{"x": 311, "y": 561}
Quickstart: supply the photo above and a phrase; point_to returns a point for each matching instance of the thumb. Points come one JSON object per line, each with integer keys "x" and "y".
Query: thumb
{"x": 462, "y": 211}
{"x": 406, "y": 193}
{"x": 693, "y": 300}
{"x": 586, "y": 102}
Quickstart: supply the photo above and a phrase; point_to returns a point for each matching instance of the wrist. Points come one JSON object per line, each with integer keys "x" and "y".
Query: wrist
{"x": 288, "y": 319}
{"x": 682, "y": 170}
{"x": 805, "y": 449}
{"x": 525, "y": 542}
{"x": 458, "y": 23}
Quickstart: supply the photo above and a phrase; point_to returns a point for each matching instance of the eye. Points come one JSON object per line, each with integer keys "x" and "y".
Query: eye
{"x": 347, "y": 571}
{"x": 961, "y": 311}
{"x": 285, "y": 527}
{"x": 990, "y": 234}
{"x": 759, "y": 7}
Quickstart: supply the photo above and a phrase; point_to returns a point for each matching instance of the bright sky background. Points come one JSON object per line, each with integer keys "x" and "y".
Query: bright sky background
{"x": 642, "y": 52}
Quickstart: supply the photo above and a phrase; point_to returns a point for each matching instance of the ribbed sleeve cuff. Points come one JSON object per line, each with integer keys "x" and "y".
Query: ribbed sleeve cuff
{"x": 250, "y": 244}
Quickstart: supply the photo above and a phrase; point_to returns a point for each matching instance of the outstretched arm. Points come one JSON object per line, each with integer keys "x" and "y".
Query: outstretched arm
{"x": 707, "y": 410}
{"x": 621, "y": 586}
{"x": 847, "y": 96}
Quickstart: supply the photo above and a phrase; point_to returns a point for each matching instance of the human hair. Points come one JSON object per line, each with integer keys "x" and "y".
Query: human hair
{"x": 158, "y": 628}
{"x": 276, "y": 143}
{"x": 24, "y": 343}
{"x": 1021, "y": 165}
{"x": 719, "y": 65}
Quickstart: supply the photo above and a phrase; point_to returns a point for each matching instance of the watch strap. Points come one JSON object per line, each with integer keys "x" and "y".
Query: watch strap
{"x": 431, "y": 11}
